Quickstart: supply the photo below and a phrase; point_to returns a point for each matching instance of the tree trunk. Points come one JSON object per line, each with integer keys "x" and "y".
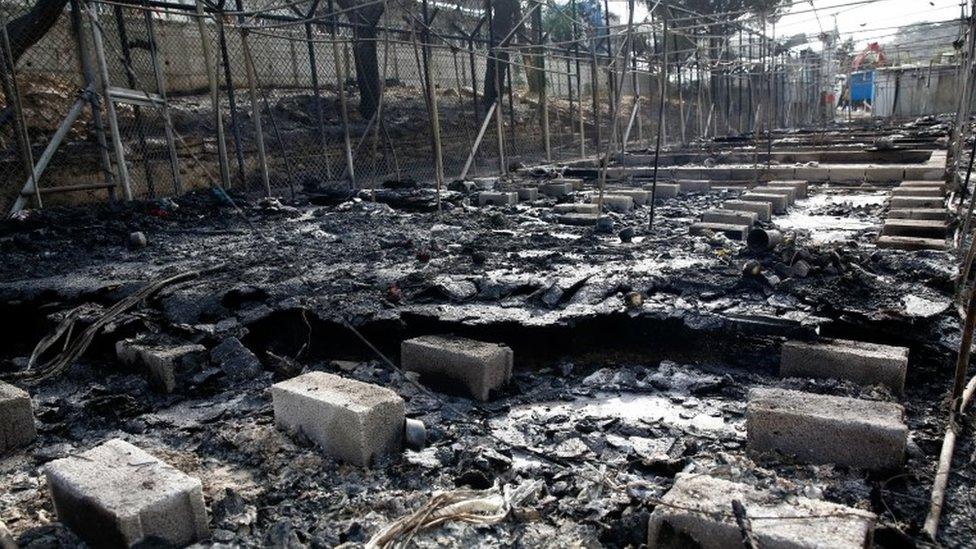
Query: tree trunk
{"x": 505, "y": 14}
{"x": 29, "y": 28}
{"x": 365, "y": 19}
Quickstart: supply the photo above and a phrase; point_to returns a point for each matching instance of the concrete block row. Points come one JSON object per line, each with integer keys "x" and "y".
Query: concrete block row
{"x": 697, "y": 512}
{"x": 777, "y": 202}
{"x": 733, "y": 231}
{"x": 615, "y": 202}
{"x": 592, "y": 209}
{"x": 763, "y": 210}
{"x": 491, "y": 198}
{"x": 825, "y": 429}
{"x": 923, "y": 228}
{"x": 730, "y": 217}
{"x": 911, "y": 243}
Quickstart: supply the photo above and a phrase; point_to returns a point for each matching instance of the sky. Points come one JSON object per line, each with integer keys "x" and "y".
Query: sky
{"x": 876, "y": 21}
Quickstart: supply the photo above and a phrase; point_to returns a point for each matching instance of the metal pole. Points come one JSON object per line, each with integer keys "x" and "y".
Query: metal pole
{"x": 13, "y": 91}
{"x": 214, "y": 96}
{"x": 435, "y": 122}
{"x": 113, "y": 122}
{"x": 541, "y": 72}
{"x": 477, "y": 141}
{"x": 161, "y": 87}
{"x": 343, "y": 107}
{"x": 235, "y": 127}
{"x": 660, "y": 119}
{"x": 130, "y": 76}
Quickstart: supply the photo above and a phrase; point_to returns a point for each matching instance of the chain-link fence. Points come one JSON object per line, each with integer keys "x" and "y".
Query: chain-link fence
{"x": 312, "y": 95}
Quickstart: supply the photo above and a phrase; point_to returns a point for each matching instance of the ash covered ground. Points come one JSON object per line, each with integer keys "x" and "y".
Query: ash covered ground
{"x": 633, "y": 359}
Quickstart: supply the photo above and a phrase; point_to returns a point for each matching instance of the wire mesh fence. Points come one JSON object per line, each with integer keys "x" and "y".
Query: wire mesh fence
{"x": 317, "y": 94}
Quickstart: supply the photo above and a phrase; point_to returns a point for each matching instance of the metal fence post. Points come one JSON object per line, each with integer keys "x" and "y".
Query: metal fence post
{"x": 214, "y": 96}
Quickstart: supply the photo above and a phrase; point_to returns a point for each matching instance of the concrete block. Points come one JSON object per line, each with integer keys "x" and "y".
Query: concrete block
{"x": 576, "y": 208}
{"x": 762, "y": 209}
{"x": 924, "y": 173}
{"x": 694, "y": 185}
{"x": 117, "y": 495}
{"x": 778, "y": 173}
{"x": 528, "y": 194}
{"x": 351, "y": 420}
{"x": 556, "y": 189}
{"x": 846, "y": 173}
{"x": 925, "y": 184}
{"x": 918, "y": 191}
{"x": 697, "y": 512}
{"x": 811, "y": 173}
{"x": 902, "y": 202}
{"x": 497, "y": 198}
{"x": 640, "y": 196}
{"x": 924, "y": 228}
{"x": 731, "y": 217}
{"x": 480, "y": 367}
{"x": 615, "y": 202}
{"x": 664, "y": 190}
{"x": 911, "y": 243}
{"x": 934, "y": 214}
{"x": 826, "y": 429}
{"x": 578, "y": 219}
{"x": 863, "y": 363}
{"x": 733, "y": 231}
{"x": 16, "y": 418}
{"x": 788, "y": 192}
{"x": 884, "y": 174}
{"x": 688, "y": 173}
{"x": 165, "y": 365}
{"x": 802, "y": 187}
{"x": 778, "y": 202}
{"x": 576, "y": 183}
{"x": 485, "y": 183}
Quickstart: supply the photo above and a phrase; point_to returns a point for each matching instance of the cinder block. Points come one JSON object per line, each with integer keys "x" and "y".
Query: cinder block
{"x": 497, "y": 198}
{"x": 615, "y": 202}
{"x": 730, "y": 217}
{"x": 925, "y": 184}
{"x": 863, "y": 363}
{"x": 902, "y": 202}
{"x": 933, "y": 214}
{"x": 846, "y": 173}
{"x": 350, "y": 420}
{"x": 923, "y": 228}
{"x": 16, "y": 418}
{"x": 478, "y": 366}
{"x": 778, "y": 202}
{"x": 663, "y": 190}
{"x": 778, "y": 172}
{"x": 556, "y": 189}
{"x": 733, "y": 231}
{"x": 811, "y": 173}
{"x": 694, "y": 185}
{"x": 923, "y": 173}
{"x": 826, "y": 429}
{"x": 918, "y": 191}
{"x": 576, "y": 208}
{"x": 697, "y": 512}
{"x": 883, "y": 174}
{"x": 801, "y": 187}
{"x": 911, "y": 243}
{"x": 763, "y": 209}
{"x": 640, "y": 197}
{"x": 164, "y": 365}
{"x": 117, "y": 495}
{"x": 528, "y": 194}
{"x": 788, "y": 192}
{"x": 576, "y": 183}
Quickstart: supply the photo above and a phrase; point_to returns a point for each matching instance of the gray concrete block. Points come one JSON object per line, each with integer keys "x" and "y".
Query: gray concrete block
{"x": 846, "y": 173}
{"x": 880, "y": 174}
{"x": 165, "y": 365}
{"x": 640, "y": 197}
{"x": 116, "y": 495}
{"x": 615, "y": 202}
{"x": 778, "y": 202}
{"x": 497, "y": 198}
{"x": 528, "y": 194}
{"x": 812, "y": 173}
{"x": 924, "y": 228}
{"x": 902, "y": 202}
{"x": 826, "y": 429}
{"x": 733, "y": 231}
{"x": 694, "y": 185}
{"x": 350, "y": 420}
{"x": 863, "y": 363}
{"x": 577, "y": 183}
{"x": 802, "y": 187}
{"x": 576, "y": 208}
{"x": 923, "y": 173}
{"x": 911, "y": 243}
{"x": 762, "y": 209}
{"x": 16, "y": 418}
{"x": 788, "y": 192}
{"x": 699, "y": 507}
{"x": 556, "y": 189}
{"x": 663, "y": 190}
{"x": 925, "y": 184}
{"x": 578, "y": 219}
{"x": 730, "y": 217}
{"x": 480, "y": 367}
{"x": 918, "y": 191}
{"x": 934, "y": 214}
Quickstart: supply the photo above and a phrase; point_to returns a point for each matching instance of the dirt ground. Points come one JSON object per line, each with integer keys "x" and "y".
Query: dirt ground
{"x": 633, "y": 359}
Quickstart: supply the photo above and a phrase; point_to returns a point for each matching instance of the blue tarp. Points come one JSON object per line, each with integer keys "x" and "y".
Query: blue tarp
{"x": 862, "y": 86}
